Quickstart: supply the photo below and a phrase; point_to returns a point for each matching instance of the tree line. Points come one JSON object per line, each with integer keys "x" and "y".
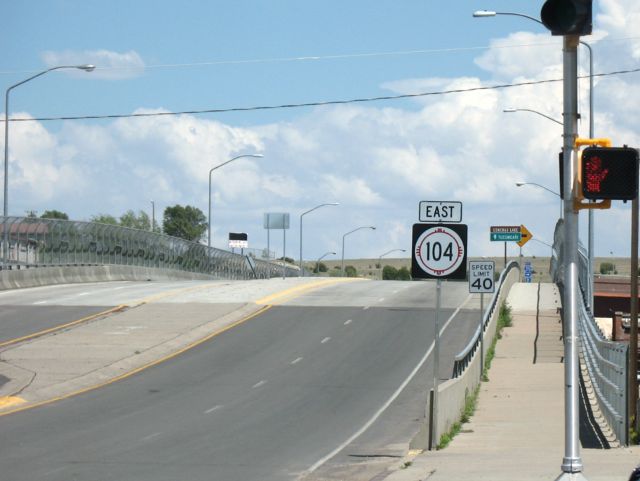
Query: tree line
{"x": 186, "y": 222}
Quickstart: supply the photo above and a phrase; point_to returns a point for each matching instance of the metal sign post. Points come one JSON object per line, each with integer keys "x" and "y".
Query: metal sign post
{"x": 439, "y": 252}
{"x": 481, "y": 280}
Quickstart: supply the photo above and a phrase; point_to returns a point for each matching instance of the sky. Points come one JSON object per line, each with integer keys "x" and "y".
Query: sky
{"x": 377, "y": 159}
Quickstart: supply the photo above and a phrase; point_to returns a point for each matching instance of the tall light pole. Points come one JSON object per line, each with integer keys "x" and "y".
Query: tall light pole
{"x": 343, "y": 237}
{"x": 322, "y": 257}
{"x": 86, "y": 68}
{"x": 388, "y": 252}
{"x": 301, "y": 215}
{"x": 153, "y": 216}
{"x": 258, "y": 156}
{"x": 591, "y": 222}
{"x": 520, "y": 184}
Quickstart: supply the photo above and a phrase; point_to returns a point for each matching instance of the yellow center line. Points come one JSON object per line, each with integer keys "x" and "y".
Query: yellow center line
{"x": 8, "y": 401}
{"x": 288, "y": 294}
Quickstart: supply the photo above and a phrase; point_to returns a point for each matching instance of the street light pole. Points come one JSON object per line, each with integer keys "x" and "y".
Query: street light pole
{"x": 301, "y": 215}
{"x": 258, "y": 156}
{"x": 322, "y": 257}
{"x": 590, "y": 240}
{"x": 86, "y": 68}
{"x": 520, "y": 184}
{"x": 153, "y": 216}
{"x": 351, "y": 232}
{"x": 389, "y": 252}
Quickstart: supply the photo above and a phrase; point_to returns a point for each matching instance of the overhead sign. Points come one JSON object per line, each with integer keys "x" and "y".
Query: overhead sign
{"x": 440, "y": 211}
{"x": 481, "y": 274}
{"x": 276, "y": 220}
{"x": 238, "y": 240}
{"x": 439, "y": 251}
{"x": 525, "y": 236}
{"x": 506, "y": 233}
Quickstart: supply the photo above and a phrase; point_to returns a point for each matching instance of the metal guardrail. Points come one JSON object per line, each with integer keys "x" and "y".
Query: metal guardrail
{"x": 464, "y": 357}
{"x": 606, "y": 361}
{"x": 52, "y": 242}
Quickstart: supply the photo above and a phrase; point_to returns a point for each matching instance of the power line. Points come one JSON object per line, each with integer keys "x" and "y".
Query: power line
{"x": 317, "y": 103}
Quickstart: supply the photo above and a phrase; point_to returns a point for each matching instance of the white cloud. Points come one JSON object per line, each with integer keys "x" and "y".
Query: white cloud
{"x": 378, "y": 161}
{"x": 109, "y": 65}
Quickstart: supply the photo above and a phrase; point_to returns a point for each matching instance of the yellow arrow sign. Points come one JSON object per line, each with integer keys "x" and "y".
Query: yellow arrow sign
{"x": 525, "y": 236}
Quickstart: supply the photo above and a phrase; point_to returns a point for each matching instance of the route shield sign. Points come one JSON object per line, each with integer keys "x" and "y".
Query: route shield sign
{"x": 439, "y": 251}
{"x": 481, "y": 277}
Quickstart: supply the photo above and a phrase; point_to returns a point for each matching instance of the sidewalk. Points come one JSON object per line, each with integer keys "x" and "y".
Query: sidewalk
{"x": 517, "y": 431}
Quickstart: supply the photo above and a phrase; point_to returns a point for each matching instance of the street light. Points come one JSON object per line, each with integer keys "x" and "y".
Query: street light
{"x": 322, "y": 257}
{"x": 258, "y": 156}
{"x": 572, "y": 444}
{"x": 520, "y": 184}
{"x": 389, "y": 252}
{"x": 303, "y": 214}
{"x": 153, "y": 216}
{"x": 86, "y": 68}
{"x": 511, "y": 110}
{"x": 351, "y": 232}
{"x": 591, "y": 222}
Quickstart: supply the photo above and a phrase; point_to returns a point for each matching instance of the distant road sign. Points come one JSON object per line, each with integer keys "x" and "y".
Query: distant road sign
{"x": 506, "y": 233}
{"x": 440, "y": 211}
{"x": 481, "y": 277}
{"x": 439, "y": 251}
{"x": 525, "y": 236}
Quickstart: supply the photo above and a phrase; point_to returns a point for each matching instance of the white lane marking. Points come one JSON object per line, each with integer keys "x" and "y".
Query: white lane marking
{"x": 394, "y": 292}
{"x": 296, "y": 360}
{"x": 326, "y": 339}
{"x": 259, "y": 383}
{"x": 348, "y": 321}
{"x": 393, "y": 397}
{"x": 365, "y": 308}
{"x": 214, "y": 408}
{"x": 83, "y": 294}
{"x": 151, "y": 436}
{"x": 381, "y": 299}
{"x": 119, "y": 288}
{"x": 40, "y": 302}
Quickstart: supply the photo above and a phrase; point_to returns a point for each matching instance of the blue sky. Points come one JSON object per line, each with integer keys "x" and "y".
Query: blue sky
{"x": 377, "y": 159}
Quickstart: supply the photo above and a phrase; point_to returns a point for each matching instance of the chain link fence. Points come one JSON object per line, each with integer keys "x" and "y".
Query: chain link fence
{"x": 32, "y": 242}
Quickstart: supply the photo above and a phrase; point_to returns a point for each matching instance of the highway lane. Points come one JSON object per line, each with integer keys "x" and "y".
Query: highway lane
{"x": 265, "y": 400}
{"x": 26, "y": 311}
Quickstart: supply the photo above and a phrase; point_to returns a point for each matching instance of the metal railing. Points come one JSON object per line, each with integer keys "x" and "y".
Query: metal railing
{"x": 464, "y": 357}
{"x": 34, "y": 242}
{"x": 606, "y": 361}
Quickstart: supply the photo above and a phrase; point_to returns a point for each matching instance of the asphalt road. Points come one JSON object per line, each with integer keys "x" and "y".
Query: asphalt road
{"x": 26, "y": 311}
{"x": 286, "y": 393}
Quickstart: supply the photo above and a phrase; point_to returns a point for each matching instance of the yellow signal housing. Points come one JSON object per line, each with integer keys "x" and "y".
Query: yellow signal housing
{"x": 578, "y": 203}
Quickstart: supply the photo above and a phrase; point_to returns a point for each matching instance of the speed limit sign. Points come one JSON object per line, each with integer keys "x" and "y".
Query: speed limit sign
{"x": 439, "y": 251}
{"x": 481, "y": 276}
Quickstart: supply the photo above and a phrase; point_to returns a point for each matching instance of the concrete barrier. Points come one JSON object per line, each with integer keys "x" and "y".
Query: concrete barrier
{"x": 42, "y": 276}
{"x": 452, "y": 393}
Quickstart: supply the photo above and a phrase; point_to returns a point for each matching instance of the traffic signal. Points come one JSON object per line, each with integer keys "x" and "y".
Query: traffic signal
{"x": 609, "y": 173}
{"x": 567, "y": 17}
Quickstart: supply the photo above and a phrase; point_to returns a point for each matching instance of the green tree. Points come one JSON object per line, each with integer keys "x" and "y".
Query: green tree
{"x": 185, "y": 222}
{"x": 54, "y": 214}
{"x": 104, "y": 219}
{"x": 389, "y": 273}
{"x": 403, "y": 274}
{"x": 607, "y": 267}
{"x": 322, "y": 267}
{"x": 140, "y": 221}
{"x": 350, "y": 271}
